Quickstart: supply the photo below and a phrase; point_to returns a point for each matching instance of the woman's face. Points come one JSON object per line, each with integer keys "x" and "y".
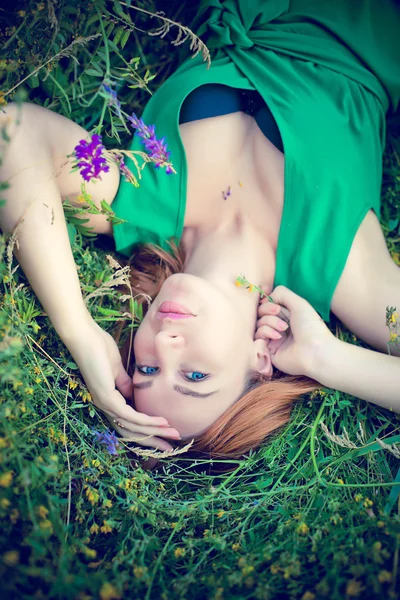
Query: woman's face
{"x": 191, "y": 369}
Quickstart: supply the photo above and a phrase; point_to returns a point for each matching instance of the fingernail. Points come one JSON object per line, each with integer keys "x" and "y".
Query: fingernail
{"x": 283, "y": 326}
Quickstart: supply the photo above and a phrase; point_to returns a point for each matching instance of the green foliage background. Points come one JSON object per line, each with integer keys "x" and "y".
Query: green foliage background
{"x": 309, "y": 515}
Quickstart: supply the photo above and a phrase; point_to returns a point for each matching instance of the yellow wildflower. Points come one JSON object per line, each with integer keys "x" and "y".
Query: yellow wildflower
{"x": 393, "y": 336}
{"x": 29, "y": 391}
{"x": 251, "y": 288}
{"x": 302, "y": 529}
{"x": 109, "y": 592}
{"x": 92, "y": 495}
{"x": 173, "y": 524}
{"x": 6, "y": 479}
{"x": 297, "y": 516}
{"x": 139, "y": 572}
{"x": 340, "y": 481}
{"x": 358, "y": 497}
{"x": 3, "y": 443}
{"x": 354, "y": 588}
{"x": 178, "y": 552}
{"x": 11, "y": 558}
{"x": 94, "y": 528}
{"x": 72, "y": 384}
{"x": 36, "y": 370}
{"x": 238, "y": 283}
{"x": 220, "y": 514}
{"x": 4, "y": 503}
{"x": 246, "y": 570}
{"x": 14, "y": 516}
{"x": 42, "y": 511}
{"x": 46, "y": 525}
{"x": 107, "y": 503}
{"x": 384, "y": 576}
{"x": 367, "y": 503}
{"x": 235, "y": 547}
{"x": 394, "y": 317}
{"x": 89, "y": 552}
{"x": 17, "y": 384}
{"x": 308, "y": 596}
{"x": 335, "y": 519}
{"x": 275, "y": 568}
{"x": 106, "y": 528}
{"x": 38, "y": 380}
{"x": 40, "y": 6}
{"x": 381, "y": 524}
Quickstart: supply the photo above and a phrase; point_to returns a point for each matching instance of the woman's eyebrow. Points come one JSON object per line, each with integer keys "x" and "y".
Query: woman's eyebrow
{"x": 188, "y": 392}
{"x": 178, "y": 388}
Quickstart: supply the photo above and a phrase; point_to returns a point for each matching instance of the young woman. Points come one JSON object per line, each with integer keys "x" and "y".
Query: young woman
{"x": 278, "y": 152}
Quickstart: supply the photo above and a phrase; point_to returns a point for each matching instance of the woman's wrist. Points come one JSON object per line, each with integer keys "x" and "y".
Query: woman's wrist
{"x": 322, "y": 353}
{"x": 74, "y": 331}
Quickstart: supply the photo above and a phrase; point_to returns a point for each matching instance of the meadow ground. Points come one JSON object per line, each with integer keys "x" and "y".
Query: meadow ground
{"x": 312, "y": 514}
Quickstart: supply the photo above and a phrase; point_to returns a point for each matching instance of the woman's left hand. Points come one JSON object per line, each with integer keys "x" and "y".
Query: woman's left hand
{"x": 99, "y": 361}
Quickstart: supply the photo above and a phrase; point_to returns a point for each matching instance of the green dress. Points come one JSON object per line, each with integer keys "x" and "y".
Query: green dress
{"x": 329, "y": 72}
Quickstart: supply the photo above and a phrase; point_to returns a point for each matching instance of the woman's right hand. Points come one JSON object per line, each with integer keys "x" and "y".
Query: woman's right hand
{"x": 99, "y": 361}
{"x": 295, "y": 351}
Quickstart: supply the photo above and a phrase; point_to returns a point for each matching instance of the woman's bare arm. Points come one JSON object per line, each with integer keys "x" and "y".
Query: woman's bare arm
{"x": 363, "y": 373}
{"x": 33, "y": 210}
{"x": 38, "y": 172}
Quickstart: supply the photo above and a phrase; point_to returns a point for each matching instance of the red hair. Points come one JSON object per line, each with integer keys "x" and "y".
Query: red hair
{"x": 263, "y": 406}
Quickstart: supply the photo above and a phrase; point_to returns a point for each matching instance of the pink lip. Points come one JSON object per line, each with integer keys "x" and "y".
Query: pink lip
{"x": 171, "y": 315}
{"x": 174, "y": 308}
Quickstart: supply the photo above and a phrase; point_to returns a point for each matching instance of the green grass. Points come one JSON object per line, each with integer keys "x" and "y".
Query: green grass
{"x": 307, "y": 516}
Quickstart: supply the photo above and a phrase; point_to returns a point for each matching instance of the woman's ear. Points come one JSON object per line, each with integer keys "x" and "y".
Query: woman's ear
{"x": 261, "y": 359}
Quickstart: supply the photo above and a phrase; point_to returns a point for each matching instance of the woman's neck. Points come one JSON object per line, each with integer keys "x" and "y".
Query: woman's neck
{"x": 222, "y": 252}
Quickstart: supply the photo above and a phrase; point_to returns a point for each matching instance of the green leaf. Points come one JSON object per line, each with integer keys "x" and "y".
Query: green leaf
{"x": 94, "y": 73}
{"x": 125, "y": 38}
{"x": 394, "y": 494}
{"x": 110, "y": 29}
{"x": 118, "y": 35}
{"x": 106, "y": 207}
{"x": 108, "y": 311}
{"x": 71, "y": 233}
{"x": 393, "y": 224}
{"x": 73, "y": 366}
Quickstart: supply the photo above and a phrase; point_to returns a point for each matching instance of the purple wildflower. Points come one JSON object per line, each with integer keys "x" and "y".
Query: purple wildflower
{"x": 112, "y": 98}
{"x": 108, "y": 438}
{"x": 156, "y": 148}
{"x": 127, "y": 173}
{"x": 89, "y": 154}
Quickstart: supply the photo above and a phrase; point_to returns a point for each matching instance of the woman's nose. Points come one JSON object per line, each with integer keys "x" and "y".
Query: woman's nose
{"x": 168, "y": 339}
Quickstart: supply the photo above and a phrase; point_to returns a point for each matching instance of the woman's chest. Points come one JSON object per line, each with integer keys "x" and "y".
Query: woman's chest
{"x": 229, "y": 160}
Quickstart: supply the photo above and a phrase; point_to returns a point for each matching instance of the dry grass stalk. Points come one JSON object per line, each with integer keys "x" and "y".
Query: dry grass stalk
{"x": 341, "y": 440}
{"x": 120, "y": 277}
{"x": 392, "y": 448}
{"x": 153, "y": 454}
{"x": 184, "y": 33}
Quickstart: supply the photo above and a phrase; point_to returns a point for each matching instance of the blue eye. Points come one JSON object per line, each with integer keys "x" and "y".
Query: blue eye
{"x": 144, "y": 370}
{"x": 195, "y": 376}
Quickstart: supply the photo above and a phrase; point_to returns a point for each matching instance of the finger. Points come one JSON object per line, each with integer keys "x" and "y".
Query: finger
{"x": 274, "y": 322}
{"x": 148, "y": 440}
{"x": 267, "y": 333}
{"x": 118, "y": 408}
{"x": 282, "y": 295}
{"x": 124, "y": 384}
{"x": 169, "y": 432}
